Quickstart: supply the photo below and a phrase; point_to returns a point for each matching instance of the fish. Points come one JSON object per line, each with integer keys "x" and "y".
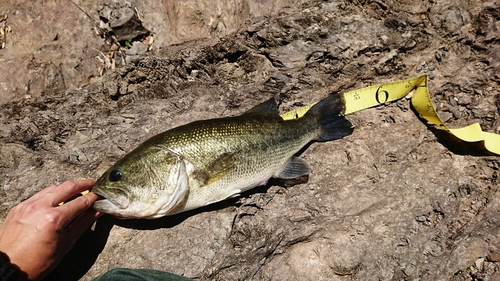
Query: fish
{"x": 208, "y": 161}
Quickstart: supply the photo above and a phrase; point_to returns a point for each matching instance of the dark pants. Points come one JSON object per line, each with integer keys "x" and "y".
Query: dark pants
{"x": 125, "y": 274}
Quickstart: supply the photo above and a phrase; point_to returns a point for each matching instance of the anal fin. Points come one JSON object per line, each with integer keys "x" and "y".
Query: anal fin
{"x": 296, "y": 167}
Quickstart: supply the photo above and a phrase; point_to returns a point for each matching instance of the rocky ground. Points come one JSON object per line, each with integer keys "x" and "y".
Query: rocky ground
{"x": 396, "y": 200}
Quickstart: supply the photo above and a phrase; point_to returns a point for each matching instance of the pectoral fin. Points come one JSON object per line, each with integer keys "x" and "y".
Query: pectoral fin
{"x": 296, "y": 167}
{"x": 217, "y": 169}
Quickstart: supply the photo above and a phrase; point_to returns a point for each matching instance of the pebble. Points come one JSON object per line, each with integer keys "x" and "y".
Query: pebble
{"x": 453, "y": 101}
{"x": 438, "y": 56}
{"x": 464, "y": 100}
{"x": 445, "y": 116}
{"x": 494, "y": 257}
{"x": 479, "y": 264}
{"x": 137, "y": 48}
{"x": 454, "y": 111}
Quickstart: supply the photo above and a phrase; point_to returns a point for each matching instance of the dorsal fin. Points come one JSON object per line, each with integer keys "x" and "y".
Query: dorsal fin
{"x": 267, "y": 107}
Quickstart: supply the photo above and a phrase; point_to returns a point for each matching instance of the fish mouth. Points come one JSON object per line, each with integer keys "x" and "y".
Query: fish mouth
{"x": 111, "y": 199}
{"x": 104, "y": 206}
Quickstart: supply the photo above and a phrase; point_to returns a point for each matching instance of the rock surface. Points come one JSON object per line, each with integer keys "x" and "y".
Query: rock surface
{"x": 396, "y": 200}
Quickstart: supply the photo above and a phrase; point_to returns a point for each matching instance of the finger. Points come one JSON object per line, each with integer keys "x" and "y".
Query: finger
{"x": 42, "y": 192}
{"x": 74, "y": 208}
{"x": 68, "y": 189}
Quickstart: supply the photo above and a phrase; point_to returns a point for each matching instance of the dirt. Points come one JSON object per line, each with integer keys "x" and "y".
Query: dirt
{"x": 396, "y": 200}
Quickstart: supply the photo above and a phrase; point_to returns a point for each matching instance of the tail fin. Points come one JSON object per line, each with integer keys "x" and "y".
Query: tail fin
{"x": 329, "y": 114}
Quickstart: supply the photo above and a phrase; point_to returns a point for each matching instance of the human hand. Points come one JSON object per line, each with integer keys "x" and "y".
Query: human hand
{"x": 38, "y": 232}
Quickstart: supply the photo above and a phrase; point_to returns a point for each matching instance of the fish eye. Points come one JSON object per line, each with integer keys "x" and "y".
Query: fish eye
{"x": 115, "y": 175}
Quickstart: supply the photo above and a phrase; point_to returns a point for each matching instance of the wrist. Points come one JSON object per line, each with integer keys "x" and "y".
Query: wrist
{"x": 9, "y": 271}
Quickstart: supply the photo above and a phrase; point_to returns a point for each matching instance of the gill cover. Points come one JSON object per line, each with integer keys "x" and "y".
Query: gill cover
{"x": 174, "y": 189}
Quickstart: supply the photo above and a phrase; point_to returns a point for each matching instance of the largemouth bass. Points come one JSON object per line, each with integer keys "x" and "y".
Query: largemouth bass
{"x": 211, "y": 160}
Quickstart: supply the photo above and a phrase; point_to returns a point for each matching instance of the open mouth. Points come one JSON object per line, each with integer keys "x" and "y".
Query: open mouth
{"x": 101, "y": 195}
{"x": 110, "y": 199}
{"x": 104, "y": 206}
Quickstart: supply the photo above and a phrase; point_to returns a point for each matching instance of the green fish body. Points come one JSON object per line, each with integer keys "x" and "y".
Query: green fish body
{"x": 211, "y": 160}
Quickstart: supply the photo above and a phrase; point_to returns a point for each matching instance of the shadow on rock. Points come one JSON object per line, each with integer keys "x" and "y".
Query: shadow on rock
{"x": 454, "y": 144}
{"x": 458, "y": 146}
{"x": 171, "y": 221}
{"x": 85, "y": 252}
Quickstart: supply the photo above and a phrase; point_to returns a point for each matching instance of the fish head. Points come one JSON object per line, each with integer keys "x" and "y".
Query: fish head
{"x": 148, "y": 183}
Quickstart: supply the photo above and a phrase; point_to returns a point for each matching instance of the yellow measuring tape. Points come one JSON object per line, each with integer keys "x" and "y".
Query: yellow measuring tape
{"x": 384, "y": 93}
{"x": 82, "y": 193}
